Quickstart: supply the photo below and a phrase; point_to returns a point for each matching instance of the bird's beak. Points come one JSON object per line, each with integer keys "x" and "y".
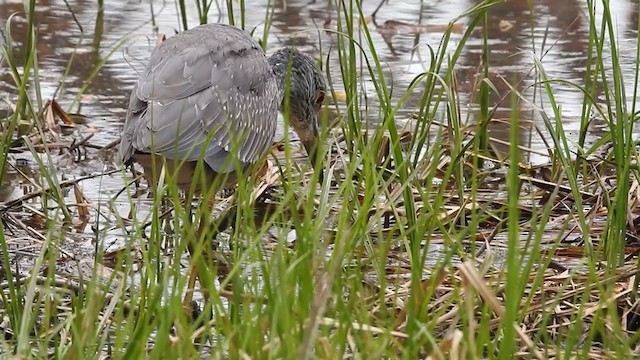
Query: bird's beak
{"x": 311, "y": 144}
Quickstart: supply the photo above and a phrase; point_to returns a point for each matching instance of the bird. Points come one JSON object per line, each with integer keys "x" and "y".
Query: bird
{"x": 211, "y": 96}
{"x": 211, "y": 93}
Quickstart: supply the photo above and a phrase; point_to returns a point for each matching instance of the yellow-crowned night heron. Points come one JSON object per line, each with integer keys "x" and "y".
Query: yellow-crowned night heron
{"x": 210, "y": 93}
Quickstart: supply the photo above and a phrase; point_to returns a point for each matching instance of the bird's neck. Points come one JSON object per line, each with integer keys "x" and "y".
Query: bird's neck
{"x": 283, "y": 69}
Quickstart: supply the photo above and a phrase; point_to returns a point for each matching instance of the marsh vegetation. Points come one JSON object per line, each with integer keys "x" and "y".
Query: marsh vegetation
{"x": 480, "y": 197}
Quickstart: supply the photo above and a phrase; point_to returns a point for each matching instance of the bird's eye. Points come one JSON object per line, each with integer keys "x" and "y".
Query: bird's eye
{"x": 319, "y": 98}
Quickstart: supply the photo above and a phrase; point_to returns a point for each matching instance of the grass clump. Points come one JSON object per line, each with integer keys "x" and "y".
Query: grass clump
{"x": 425, "y": 239}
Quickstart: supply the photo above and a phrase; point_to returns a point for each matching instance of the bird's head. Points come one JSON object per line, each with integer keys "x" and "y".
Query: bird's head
{"x": 306, "y": 94}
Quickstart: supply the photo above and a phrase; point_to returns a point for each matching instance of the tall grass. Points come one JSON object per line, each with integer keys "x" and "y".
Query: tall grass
{"x": 349, "y": 267}
{"x": 14, "y": 300}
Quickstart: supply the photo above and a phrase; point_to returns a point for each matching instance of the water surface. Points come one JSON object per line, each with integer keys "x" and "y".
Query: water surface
{"x": 75, "y": 41}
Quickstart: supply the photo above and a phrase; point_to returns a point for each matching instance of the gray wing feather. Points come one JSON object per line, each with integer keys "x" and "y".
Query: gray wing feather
{"x": 207, "y": 91}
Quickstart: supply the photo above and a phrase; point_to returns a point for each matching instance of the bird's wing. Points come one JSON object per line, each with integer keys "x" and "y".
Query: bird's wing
{"x": 208, "y": 92}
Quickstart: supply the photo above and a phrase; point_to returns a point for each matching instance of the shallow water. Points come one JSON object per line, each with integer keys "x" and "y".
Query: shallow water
{"x": 401, "y": 31}
{"x": 123, "y": 34}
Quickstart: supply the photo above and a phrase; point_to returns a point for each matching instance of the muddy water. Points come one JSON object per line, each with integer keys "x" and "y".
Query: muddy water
{"x": 77, "y": 38}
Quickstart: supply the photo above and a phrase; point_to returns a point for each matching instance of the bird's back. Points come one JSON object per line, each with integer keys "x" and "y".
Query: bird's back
{"x": 208, "y": 93}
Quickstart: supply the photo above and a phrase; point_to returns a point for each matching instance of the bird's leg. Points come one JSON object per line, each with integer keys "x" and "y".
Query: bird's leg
{"x": 187, "y": 302}
{"x": 224, "y": 221}
{"x": 199, "y": 266}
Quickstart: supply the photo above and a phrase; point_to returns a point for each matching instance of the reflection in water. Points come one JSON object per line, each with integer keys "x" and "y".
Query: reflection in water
{"x": 555, "y": 32}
